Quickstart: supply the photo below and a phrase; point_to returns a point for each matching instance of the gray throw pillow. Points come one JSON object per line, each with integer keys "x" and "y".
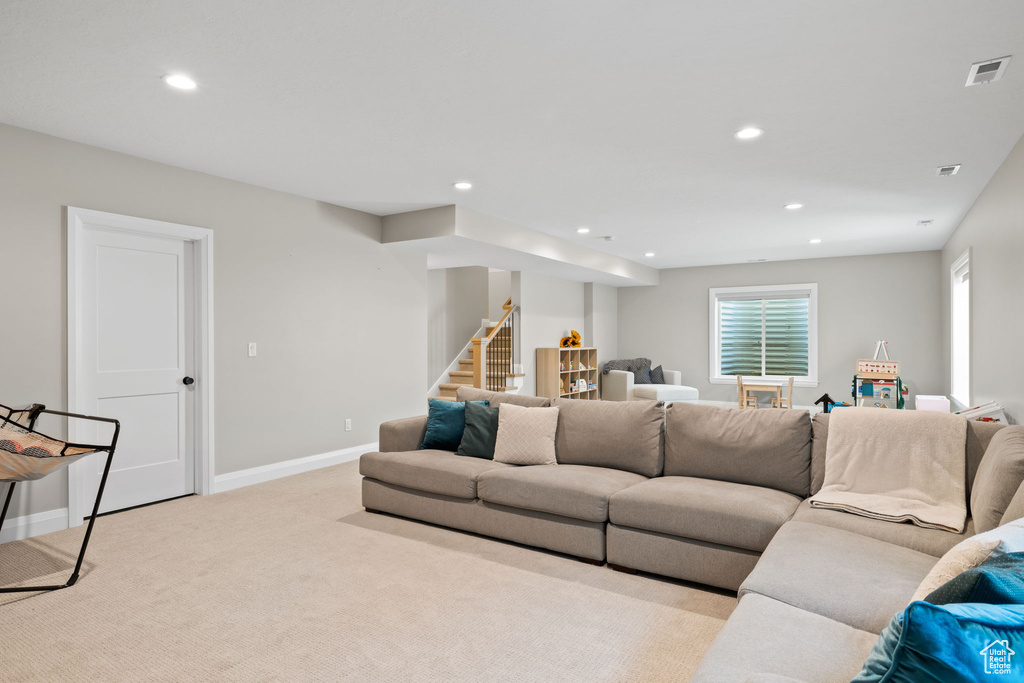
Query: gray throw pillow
{"x": 999, "y": 476}
{"x": 657, "y": 376}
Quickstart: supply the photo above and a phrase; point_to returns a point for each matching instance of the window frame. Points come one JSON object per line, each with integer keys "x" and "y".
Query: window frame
{"x": 715, "y": 375}
{"x": 961, "y": 262}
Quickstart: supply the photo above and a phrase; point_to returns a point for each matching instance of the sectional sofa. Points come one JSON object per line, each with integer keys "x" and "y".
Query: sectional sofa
{"x": 710, "y": 495}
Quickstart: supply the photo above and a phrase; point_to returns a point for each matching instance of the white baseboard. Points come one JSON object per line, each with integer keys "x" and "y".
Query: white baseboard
{"x": 17, "y": 528}
{"x": 258, "y": 475}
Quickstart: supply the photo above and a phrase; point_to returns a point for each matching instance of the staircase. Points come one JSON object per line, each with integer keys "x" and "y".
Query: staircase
{"x": 489, "y": 364}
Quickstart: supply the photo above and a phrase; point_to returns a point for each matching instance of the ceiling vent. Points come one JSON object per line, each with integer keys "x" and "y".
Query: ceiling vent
{"x": 987, "y": 72}
{"x": 951, "y": 169}
{"x": 925, "y": 223}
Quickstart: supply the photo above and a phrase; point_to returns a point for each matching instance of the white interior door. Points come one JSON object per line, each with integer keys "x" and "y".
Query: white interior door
{"x": 136, "y": 342}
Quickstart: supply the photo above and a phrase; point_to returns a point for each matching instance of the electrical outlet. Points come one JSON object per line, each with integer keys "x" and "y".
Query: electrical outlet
{"x": 252, "y": 349}
{"x": 348, "y": 425}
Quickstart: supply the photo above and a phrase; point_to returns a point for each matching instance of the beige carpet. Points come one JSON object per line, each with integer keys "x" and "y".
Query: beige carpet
{"x": 292, "y": 580}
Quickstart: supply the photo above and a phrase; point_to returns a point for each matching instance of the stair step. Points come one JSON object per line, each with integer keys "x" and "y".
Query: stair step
{"x": 516, "y": 374}
{"x": 449, "y": 386}
{"x": 444, "y": 398}
{"x": 461, "y": 373}
{"x": 466, "y": 364}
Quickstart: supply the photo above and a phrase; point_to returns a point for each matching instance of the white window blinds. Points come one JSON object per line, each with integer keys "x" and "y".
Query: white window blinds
{"x": 763, "y": 337}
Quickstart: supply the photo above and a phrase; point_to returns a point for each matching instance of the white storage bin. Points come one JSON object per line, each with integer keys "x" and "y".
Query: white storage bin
{"x": 939, "y": 404}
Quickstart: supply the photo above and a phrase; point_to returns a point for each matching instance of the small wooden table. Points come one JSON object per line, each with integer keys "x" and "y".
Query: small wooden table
{"x": 747, "y": 388}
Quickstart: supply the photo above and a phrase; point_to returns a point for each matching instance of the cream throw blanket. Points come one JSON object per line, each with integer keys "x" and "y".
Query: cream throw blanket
{"x": 897, "y": 466}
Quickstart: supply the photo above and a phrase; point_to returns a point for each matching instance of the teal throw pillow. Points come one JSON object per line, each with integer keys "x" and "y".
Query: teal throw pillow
{"x": 481, "y": 431}
{"x": 997, "y": 581}
{"x": 956, "y": 643}
{"x": 446, "y": 421}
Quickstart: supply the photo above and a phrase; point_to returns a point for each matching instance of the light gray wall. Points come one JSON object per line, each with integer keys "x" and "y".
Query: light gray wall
{"x": 549, "y": 308}
{"x": 994, "y": 232}
{"x": 437, "y": 324}
{"x": 601, "y": 320}
{"x": 860, "y": 299}
{"x": 499, "y": 289}
{"x": 338, "y": 316}
{"x": 456, "y": 303}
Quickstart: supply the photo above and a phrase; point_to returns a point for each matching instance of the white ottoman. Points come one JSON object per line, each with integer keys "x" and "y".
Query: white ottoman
{"x": 665, "y": 392}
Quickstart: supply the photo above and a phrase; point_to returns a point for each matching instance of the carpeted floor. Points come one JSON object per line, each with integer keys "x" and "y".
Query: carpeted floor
{"x": 292, "y": 580}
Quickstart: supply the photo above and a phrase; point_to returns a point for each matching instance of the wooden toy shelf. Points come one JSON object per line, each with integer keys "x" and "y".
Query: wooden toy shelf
{"x": 560, "y": 370}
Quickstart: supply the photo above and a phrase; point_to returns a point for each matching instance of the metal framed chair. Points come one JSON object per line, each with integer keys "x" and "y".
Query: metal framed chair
{"x": 27, "y": 454}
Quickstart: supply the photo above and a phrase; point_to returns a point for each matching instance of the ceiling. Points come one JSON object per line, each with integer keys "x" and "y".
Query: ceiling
{"x": 617, "y": 116}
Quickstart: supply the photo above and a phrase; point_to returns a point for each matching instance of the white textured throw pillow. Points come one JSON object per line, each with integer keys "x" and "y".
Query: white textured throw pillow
{"x": 972, "y": 552}
{"x": 526, "y": 436}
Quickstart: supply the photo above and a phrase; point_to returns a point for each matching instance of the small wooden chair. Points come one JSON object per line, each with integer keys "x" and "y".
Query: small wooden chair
{"x": 784, "y": 401}
{"x": 745, "y": 399}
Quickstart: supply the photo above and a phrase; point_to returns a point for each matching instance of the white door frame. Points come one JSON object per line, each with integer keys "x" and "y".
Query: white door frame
{"x": 79, "y": 220}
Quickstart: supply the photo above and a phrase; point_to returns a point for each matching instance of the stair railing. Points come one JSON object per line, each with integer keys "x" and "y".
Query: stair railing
{"x": 494, "y": 354}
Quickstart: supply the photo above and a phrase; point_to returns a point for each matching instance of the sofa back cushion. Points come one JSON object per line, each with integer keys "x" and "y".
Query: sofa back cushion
{"x": 770, "y": 448}
{"x": 1015, "y": 510}
{"x": 979, "y": 434}
{"x": 625, "y": 435}
{"x": 999, "y": 476}
{"x": 496, "y": 398}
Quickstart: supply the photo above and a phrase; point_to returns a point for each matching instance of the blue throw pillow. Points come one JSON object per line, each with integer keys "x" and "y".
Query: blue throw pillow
{"x": 957, "y": 643}
{"x": 997, "y": 581}
{"x": 446, "y": 421}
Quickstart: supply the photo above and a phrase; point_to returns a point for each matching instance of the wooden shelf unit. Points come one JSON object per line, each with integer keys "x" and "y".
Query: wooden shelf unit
{"x": 558, "y": 370}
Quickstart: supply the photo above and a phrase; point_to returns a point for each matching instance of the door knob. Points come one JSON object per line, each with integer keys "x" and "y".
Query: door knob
{"x": 188, "y": 381}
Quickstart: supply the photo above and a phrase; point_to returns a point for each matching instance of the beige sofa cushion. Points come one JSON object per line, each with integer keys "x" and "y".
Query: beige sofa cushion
{"x": 498, "y": 397}
{"x": 999, "y": 476}
{"x": 770, "y": 448}
{"x": 431, "y": 471}
{"x": 838, "y": 574}
{"x": 623, "y": 435}
{"x": 575, "y": 491}
{"x": 768, "y": 640}
{"x": 1015, "y": 510}
{"x": 736, "y": 515}
{"x": 931, "y": 541}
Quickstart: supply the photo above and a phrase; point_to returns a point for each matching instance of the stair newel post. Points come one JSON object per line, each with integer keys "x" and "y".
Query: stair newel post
{"x": 480, "y": 362}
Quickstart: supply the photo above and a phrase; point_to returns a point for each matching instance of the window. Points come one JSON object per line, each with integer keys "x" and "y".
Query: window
{"x": 960, "y": 330}
{"x": 766, "y": 333}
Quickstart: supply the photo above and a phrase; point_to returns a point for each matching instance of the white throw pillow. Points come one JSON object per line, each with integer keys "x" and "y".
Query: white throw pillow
{"x": 526, "y": 436}
{"x": 972, "y": 552}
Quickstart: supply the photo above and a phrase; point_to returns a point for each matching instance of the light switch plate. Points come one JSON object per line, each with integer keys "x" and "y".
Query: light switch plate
{"x": 252, "y": 349}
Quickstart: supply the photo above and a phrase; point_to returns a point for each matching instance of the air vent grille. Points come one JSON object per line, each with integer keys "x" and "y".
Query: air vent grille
{"x": 951, "y": 169}
{"x": 925, "y": 223}
{"x": 987, "y": 72}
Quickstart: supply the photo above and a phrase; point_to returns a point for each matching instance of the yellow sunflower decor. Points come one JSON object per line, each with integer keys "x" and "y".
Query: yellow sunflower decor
{"x": 574, "y": 340}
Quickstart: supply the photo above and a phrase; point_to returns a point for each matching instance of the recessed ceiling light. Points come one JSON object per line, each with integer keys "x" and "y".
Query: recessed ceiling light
{"x": 749, "y": 133}
{"x": 649, "y": 254}
{"x": 815, "y": 241}
{"x": 463, "y": 185}
{"x": 793, "y": 207}
{"x": 180, "y": 81}
{"x": 583, "y": 231}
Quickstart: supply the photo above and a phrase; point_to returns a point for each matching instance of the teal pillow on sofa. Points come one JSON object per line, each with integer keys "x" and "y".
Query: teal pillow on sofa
{"x": 446, "y": 421}
{"x": 481, "y": 431}
{"x": 997, "y": 581}
{"x": 956, "y": 643}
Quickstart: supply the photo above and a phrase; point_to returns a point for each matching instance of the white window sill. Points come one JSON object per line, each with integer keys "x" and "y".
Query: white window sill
{"x": 805, "y": 383}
